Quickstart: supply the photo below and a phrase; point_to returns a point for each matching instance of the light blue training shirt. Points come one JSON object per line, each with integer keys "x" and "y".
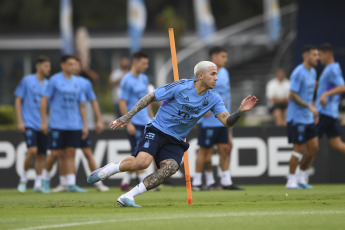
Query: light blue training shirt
{"x": 31, "y": 90}
{"x": 132, "y": 90}
{"x": 183, "y": 107}
{"x": 302, "y": 82}
{"x": 330, "y": 78}
{"x": 64, "y": 97}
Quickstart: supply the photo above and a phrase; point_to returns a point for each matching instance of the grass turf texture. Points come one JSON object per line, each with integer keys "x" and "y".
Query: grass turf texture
{"x": 258, "y": 207}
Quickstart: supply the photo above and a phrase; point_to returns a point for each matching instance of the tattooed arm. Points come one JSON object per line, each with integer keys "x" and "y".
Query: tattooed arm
{"x": 229, "y": 120}
{"x": 142, "y": 103}
{"x": 298, "y": 100}
{"x": 167, "y": 168}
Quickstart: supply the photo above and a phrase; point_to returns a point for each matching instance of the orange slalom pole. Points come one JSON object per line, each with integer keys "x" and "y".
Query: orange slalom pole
{"x": 176, "y": 78}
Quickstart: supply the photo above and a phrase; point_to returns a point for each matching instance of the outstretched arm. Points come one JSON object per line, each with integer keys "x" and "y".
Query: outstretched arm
{"x": 229, "y": 120}
{"x": 142, "y": 103}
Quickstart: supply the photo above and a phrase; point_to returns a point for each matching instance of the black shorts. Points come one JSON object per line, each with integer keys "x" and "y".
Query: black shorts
{"x": 85, "y": 143}
{"x": 210, "y": 136}
{"x": 301, "y": 133}
{"x": 160, "y": 146}
{"x": 328, "y": 125}
{"x": 61, "y": 139}
{"x": 278, "y": 106}
{"x": 37, "y": 139}
{"x": 134, "y": 139}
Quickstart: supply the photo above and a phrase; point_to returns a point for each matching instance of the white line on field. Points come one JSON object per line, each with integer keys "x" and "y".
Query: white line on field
{"x": 185, "y": 216}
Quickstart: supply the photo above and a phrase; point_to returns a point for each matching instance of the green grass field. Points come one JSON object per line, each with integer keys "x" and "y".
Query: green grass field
{"x": 258, "y": 207}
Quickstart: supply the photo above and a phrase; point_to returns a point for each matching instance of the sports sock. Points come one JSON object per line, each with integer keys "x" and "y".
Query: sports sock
{"x": 71, "y": 179}
{"x": 292, "y": 178}
{"x": 197, "y": 179}
{"x": 209, "y": 178}
{"x": 126, "y": 178}
{"x": 112, "y": 168}
{"x": 38, "y": 181}
{"x": 24, "y": 177}
{"x": 137, "y": 190}
{"x": 225, "y": 179}
{"x": 46, "y": 175}
{"x": 63, "y": 180}
{"x": 303, "y": 176}
{"x": 141, "y": 176}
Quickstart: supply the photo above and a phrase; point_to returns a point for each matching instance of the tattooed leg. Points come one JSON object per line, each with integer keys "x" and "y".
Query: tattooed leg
{"x": 167, "y": 168}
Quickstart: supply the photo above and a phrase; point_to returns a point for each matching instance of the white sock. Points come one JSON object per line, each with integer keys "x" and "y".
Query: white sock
{"x": 292, "y": 178}
{"x": 99, "y": 183}
{"x": 112, "y": 168}
{"x": 46, "y": 175}
{"x": 141, "y": 176}
{"x": 71, "y": 179}
{"x": 38, "y": 181}
{"x": 225, "y": 179}
{"x": 303, "y": 176}
{"x": 137, "y": 190}
{"x": 126, "y": 179}
{"x": 63, "y": 180}
{"x": 24, "y": 177}
{"x": 209, "y": 178}
{"x": 197, "y": 179}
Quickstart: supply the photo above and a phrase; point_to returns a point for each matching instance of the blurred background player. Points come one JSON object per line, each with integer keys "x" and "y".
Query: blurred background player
{"x": 134, "y": 86}
{"x": 213, "y": 132}
{"x": 301, "y": 117}
{"x": 67, "y": 111}
{"x": 27, "y": 103}
{"x": 331, "y": 84}
{"x": 115, "y": 80}
{"x": 85, "y": 144}
{"x": 277, "y": 93}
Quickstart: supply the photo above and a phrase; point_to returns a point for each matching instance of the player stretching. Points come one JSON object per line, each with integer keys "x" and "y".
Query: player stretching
{"x": 28, "y": 97}
{"x": 163, "y": 138}
{"x": 301, "y": 118}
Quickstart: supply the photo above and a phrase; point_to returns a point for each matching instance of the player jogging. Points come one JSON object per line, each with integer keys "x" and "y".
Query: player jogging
{"x": 185, "y": 102}
{"x": 301, "y": 118}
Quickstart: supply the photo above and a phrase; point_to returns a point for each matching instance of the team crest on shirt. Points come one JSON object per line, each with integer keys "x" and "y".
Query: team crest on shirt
{"x": 205, "y": 102}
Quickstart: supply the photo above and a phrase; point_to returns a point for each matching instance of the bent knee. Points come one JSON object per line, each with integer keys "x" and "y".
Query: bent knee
{"x": 169, "y": 167}
{"x": 142, "y": 165}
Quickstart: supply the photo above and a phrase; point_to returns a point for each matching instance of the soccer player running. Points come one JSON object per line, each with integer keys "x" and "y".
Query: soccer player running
{"x": 85, "y": 144}
{"x": 302, "y": 117}
{"x": 27, "y": 103}
{"x": 331, "y": 84}
{"x": 133, "y": 87}
{"x": 213, "y": 132}
{"x": 163, "y": 138}
{"x": 66, "y": 100}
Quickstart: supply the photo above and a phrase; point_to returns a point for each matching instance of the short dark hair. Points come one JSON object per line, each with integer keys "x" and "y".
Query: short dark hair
{"x": 326, "y": 47}
{"x": 307, "y": 48}
{"x": 65, "y": 57}
{"x": 41, "y": 59}
{"x": 216, "y": 50}
{"x": 138, "y": 55}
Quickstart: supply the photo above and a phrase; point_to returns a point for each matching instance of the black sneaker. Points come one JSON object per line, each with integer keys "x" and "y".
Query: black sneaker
{"x": 212, "y": 187}
{"x": 232, "y": 187}
{"x": 197, "y": 188}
